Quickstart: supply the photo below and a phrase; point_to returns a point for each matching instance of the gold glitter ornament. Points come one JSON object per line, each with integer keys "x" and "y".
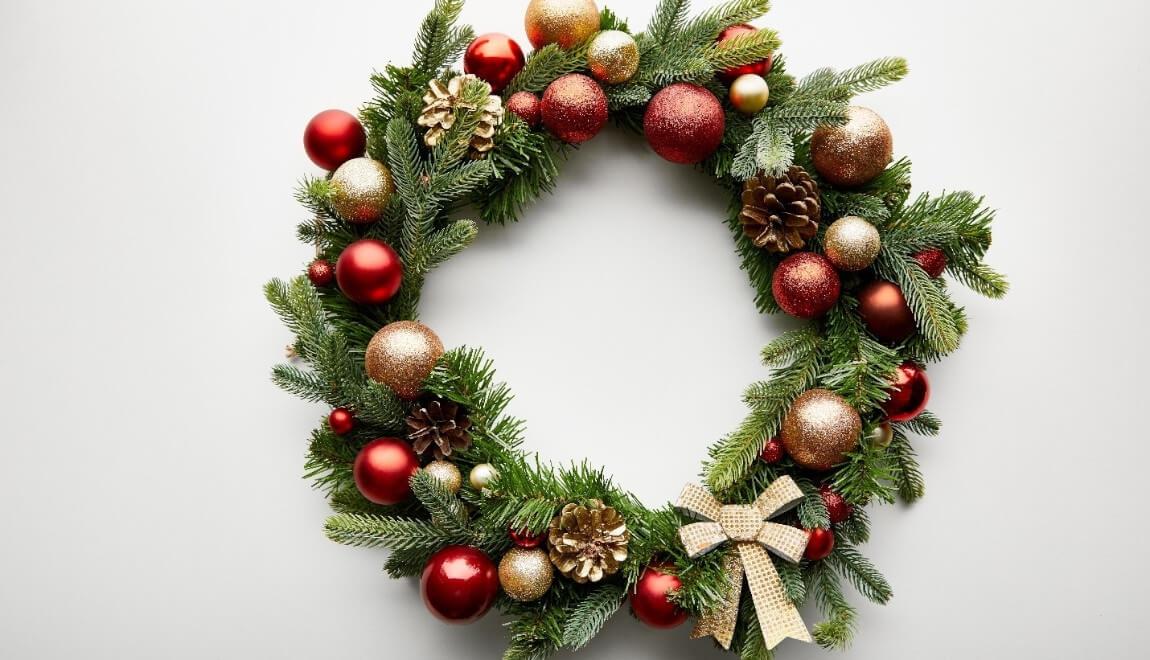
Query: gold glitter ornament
{"x": 482, "y": 475}
{"x": 881, "y": 435}
{"x": 613, "y": 57}
{"x": 749, "y": 93}
{"x": 820, "y": 429}
{"x": 854, "y": 153}
{"x": 851, "y": 243}
{"x": 446, "y": 474}
{"x": 563, "y": 22}
{"x": 361, "y": 189}
{"x": 588, "y": 542}
{"x": 401, "y": 355}
{"x": 525, "y": 574}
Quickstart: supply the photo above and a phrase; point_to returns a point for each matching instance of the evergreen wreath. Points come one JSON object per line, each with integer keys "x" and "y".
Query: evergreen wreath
{"x": 826, "y": 230}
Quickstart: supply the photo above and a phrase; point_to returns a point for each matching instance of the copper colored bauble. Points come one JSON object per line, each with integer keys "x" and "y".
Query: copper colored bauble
{"x": 838, "y": 508}
{"x": 649, "y": 601}
{"x": 401, "y": 355}
{"x": 524, "y": 538}
{"x": 445, "y": 473}
{"x": 613, "y": 57}
{"x": 806, "y": 285}
{"x": 851, "y": 243}
{"x": 820, "y": 544}
{"x": 932, "y": 260}
{"x": 909, "y": 393}
{"x": 881, "y": 435}
{"x": 574, "y": 108}
{"x": 563, "y": 22}
{"x": 341, "y": 421}
{"x": 459, "y": 584}
{"x": 321, "y": 273}
{"x": 884, "y": 311}
{"x": 525, "y": 574}
{"x": 494, "y": 57}
{"x": 369, "y": 272}
{"x": 482, "y": 475}
{"x": 382, "y": 470}
{"x": 773, "y": 451}
{"x": 334, "y": 137}
{"x": 854, "y": 153}
{"x": 684, "y": 123}
{"x": 749, "y": 93}
{"x": 525, "y": 105}
{"x": 360, "y": 190}
{"x": 760, "y": 68}
{"x": 820, "y": 429}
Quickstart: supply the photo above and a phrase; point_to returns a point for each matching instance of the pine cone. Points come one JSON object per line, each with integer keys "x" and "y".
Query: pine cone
{"x": 588, "y": 542}
{"x": 438, "y": 425}
{"x": 442, "y": 102}
{"x": 781, "y": 213}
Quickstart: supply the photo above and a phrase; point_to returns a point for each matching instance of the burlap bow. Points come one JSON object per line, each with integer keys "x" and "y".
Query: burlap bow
{"x": 748, "y": 527}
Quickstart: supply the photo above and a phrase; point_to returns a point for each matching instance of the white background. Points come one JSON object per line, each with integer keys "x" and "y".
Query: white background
{"x": 151, "y": 503}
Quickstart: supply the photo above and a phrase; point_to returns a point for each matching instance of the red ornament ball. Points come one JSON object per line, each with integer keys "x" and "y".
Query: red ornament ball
{"x": 321, "y": 273}
{"x": 382, "y": 470}
{"x": 574, "y": 108}
{"x": 820, "y": 544}
{"x": 884, "y": 310}
{"x": 459, "y": 584}
{"x": 806, "y": 285}
{"x": 773, "y": 452}
{"x": 684, "y": 123}
{"x": 649, "y": 601}
{"x": 494, "y": 57}
{"x": 837, "y": 505}
{"x": 525, "y": 105}
{"x": 760, "y": 68}
{"x": 334, "y": 137}
{"x": 524, "y": 538}
{"x": 341, "y": 421}
{"x": 369, "y": 272}
{"x": 932, "y": 260}
{"x": 909, "y": 393}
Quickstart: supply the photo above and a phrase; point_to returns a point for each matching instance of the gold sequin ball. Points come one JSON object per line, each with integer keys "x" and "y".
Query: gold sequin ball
{"x": 361, "y": 189}
{"x": 526, "y": 573}
{"x": 854, "y": 153}
{"x": 563, "y": 22}
{"x": 851, "y": 243}
{"x": 613, "y": 57}
{"x": 401, "y": 355}
{"x": 819, "y": 429}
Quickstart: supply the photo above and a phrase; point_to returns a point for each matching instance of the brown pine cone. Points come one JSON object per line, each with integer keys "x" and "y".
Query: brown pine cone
{"x": 781, "y": 214}
{"x": 589, "y": 542}
{"x": 439, "y": 425}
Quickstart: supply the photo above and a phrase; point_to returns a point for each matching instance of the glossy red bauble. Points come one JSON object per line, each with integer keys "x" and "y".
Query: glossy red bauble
{"x": 649, "y": 600}
{"x": 909, "y": 393}
{"x": 820, "y": 544}
{"x": 838, "y": 508}
{"x": 321, "y": 273}
{"x": 932, "y": 260}
{"x": 341, "y": 421}
{"x": 760, "y": 68}
{"x": 684, "y": 123}
{"x": 382, "y": 470}
{"x": 494, "y": 57}
{"x": 459, "y": 584}
{"x": 574, "y": 108}
{"x": 334, "y": 137}
{"x": 524, "y": 538}
{"x": 884, "y": 311}
{"x": 806, "y": 285}
{"x": 773, "y": 451}
{"x": 525, "y": 105}
{"x": 369, "y": 272}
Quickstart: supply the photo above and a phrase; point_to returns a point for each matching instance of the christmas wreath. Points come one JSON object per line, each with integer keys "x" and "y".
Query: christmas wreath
{"x": 823, "y": 221}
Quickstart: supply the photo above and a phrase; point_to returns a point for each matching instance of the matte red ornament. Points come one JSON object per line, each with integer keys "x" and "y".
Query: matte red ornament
{"x": 884, "y": 311}
{"x": 334, "y": 137}
{"x": 524, "y": 538}
{"x": 820, "y": 544}
{"x": 773, "y": 452}
{"x": 806, "y": 285}
{"x": 459, "y": 584}
{"x": 574, "y": 108}
{"x": 494, "y": 57}
{"x": 838, "y": 507}
{"x": 909, "y": 393}
{"x": 369, "y": 272}
{"x": 932, "y": 260}
{"x": 649, "y": 600}
{"x": 760, "y": 68}
{"x": 341, "y": 421}
{"x": 382, "y": 470}
{"x": 684, "y": 123}
{"x": 321, "y": 273}
{"x": 526, "y": 106}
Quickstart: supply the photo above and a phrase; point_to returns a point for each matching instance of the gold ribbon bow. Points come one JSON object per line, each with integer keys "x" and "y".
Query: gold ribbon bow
{"x": 748, "y": 526}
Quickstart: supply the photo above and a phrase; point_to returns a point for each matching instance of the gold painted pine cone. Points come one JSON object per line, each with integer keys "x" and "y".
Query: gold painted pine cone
{"x": 782, "y": 213}
{"x": 442, "y": 102}
{"x": 588, "y": 543}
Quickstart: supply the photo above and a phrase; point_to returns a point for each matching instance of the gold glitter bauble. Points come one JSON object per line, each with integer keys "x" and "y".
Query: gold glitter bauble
{"x": 361, "y": 189}
{"x": 401, "y": 355}
{"x": 445, "y": 473}
{"x": 851, "y": 243}
{"x": 482, "y": 475}
{"x": 854, "y": 153}
{"x": 613, "y": 57}
{"x": 881, "y": 435}
{"x": 819, "y": 429}
{"x": 525, "y": 574}
{"x": 749, "y": 93}
{"x": 563, "y": 22}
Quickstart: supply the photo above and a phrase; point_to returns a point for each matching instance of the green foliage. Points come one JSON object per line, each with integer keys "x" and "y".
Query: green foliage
{"x": 588, "y": 617}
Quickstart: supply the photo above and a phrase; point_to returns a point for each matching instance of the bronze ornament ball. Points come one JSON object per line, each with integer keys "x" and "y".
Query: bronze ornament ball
{"x": 820, "y": 429}
{"x": 563, "y": 22}
{"x": 852, "y": 243}
{"x": 613, "y": 57}
{"x": 401, "y": 355}
{"x": 526, "y": 573}
{"x": 856, "y": 152}
{"x": 884, "y": 310}
{"x": 361, "y": 189}
{"x": 445, "y": 473}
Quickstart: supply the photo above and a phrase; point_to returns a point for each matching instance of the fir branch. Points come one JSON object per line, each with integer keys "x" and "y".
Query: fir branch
{"x": 535, "y": 634}
{"x": 934, "y": 313}
{"x": 744, "y": 49}
{"x": 926, "y": 423}
{"x": 307, "y": 385}
{"x": 832, "y": 86}
{"x": 587, "y": 618}
{"x": 668, "y": 20}
{"x": 705, "y": 28}
{"x": 861, "y": 573}
{"x": 436, "y": 39}
{"x": 908, "y": 476}
{"x": 368, "y": 531}
{"x": 838, "y": 630}
{"x": 447, "y": 510}
{"x": 769, "y": 149}
{"x": 545, "y": 65}
{"x": 866, "y": 475}
{"x": 791, "y": 576}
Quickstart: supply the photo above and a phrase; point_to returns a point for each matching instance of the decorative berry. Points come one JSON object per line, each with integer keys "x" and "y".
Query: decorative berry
{"x": 837, "y": 506}
{"x": 932, "y": 260}
{"x": 820, "y": 544}
{"x": 773, "y": 452}
{"x": 341, "y": 421}
{"x": 524, "y": 538}
{"x": 321, "y": 273}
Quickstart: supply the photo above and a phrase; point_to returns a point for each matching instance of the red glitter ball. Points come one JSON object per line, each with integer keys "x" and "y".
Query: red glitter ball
{"x": 773, "y": 452}
{"x": 932, "y": 260}
{"x": 321, "y": 273}
{"x": 806, "y": 285}
{"x": 574, "y": 108}
{"x": 684, "y": 123}
{"x": 760, "y": 68}
{"x": 525, "y": 105}
{"x": 837, "y": 505}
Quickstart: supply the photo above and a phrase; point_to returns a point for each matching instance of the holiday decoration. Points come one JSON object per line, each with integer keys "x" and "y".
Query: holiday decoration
{"x": 851, "y": 243}
{"x": 439, "y": 425}
{"x": 881, "y": 435}
{"x": 401, "y": 355}
{"x": 588, "y": 542}
{"x": 932, "y": 260}
{"x": 341, "y": 421}
{"x": 854, "y": 153}
{"x": 781, "y": 213}
{"x": 819, "y": 429}
{"x": 909, "y": 393}
{"x": 382, "y": 470}
{"x": 684, "y": 123}
{"x": 613, "y": 57}
{"x": 334, "y": 137}
{"x": 321, "y": 273}
{"x": 442, "y": 103}
{"x": 459, "y": 584}
{"x": 361, "y": 189}
{"x": 446, "y": 474}
{"x": 574, "y": 108}
{"x": 749, "y": 93}
{"x": 563, "y": 22}
{"x": 748, "y": 527}
{"x": 369, "y": 272}
{"x": 650, "y": 602}
{"x": 820, "y": 545}
{"x": 524, "y": 538}
{"x": 494, "y": 57}
{"x": 806, "y": 285}
{"x": 885, "y": 312}
{"x": 760, "y": 68}
{"x": 838, "y": 508}
{"x": 526, "y": 106}
{"x": 482, "y": 475}
{"x": 525, "y": 574}
{"x": 773, "y": 451}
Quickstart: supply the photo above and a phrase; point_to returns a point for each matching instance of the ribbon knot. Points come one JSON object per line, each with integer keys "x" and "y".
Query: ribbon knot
{"x": 748, "y": 526}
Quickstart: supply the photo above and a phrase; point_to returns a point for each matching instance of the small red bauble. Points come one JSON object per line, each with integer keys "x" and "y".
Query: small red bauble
{"x": 773, "y": 452}
{"x": 525, "y": 105}
{"x": 932, "y": 260}
{"x": 341, "y": 421}
{"x": 494, "y": 57}
{"x": 524, "y": 538}
{"x": 684, "y": 123}
{"x": 760, "y": 68}
{"x": 321, "y": 273}
{"x": 884, "y": 311}
{"x": 806, "y": 285}
{"x": 820, "y": 544}
{"x": 459, "y": 584}
{"x": 334, "y": 137}
{"x": 837, "y": 507}
{"x": 649, "y": 600}
{"x": 382, "y": 470}
{"x": 574, "y": 108}
{"x": 909, "y": 394}
{"x": 369, "y": 272}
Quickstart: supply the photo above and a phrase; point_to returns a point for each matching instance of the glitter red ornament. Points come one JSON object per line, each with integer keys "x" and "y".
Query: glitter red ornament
{"x": 838, "y": 508}
{"x": 525, "y": 105}
{"x": 806, "y": 285}
{"x": 382, "y": 470}
{"x": 909, "y": 393}
{"x": 884, "y": 311}
{"x": 684, "y": 123}
{"x": 932, "y": 260}
{"x": 334, "y": 137}
{"x": 341, "y": 421}
{"x": 760, "y": 68}
{"x": 369, "y": 272}
{"x": 524, "y": 538}
{"x": 494, "y": 57}
{"x": 649, "y": 601}
{"x": 459, "y": 584}
{"x": 773, "y": 452}
{"x": 321, "y": 273}
{"x": 820, "y": 544}
{"x": 574, "y": 108}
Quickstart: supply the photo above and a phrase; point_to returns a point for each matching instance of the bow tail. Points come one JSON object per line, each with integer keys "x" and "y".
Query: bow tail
{"x": 720, "y": 623}
{"x": 778, "y": 617}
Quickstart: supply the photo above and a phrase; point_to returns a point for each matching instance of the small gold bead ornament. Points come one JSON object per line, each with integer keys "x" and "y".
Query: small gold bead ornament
{"x": 749, "y": 93}
{"x": 851, "y": 243}
{"x": 613, "y": 57}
